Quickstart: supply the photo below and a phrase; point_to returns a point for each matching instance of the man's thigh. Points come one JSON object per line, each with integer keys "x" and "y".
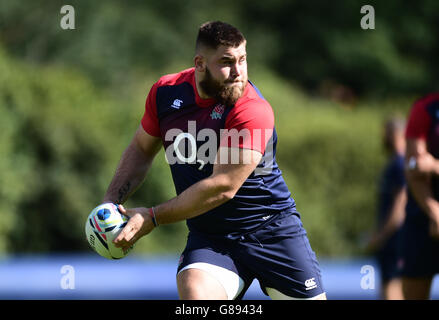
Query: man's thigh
{"x": 195, "y": 283}
{"x": 207, "y": 271}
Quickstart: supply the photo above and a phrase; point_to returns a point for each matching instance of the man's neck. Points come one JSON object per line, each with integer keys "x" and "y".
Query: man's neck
{"x": 201, "y": 93}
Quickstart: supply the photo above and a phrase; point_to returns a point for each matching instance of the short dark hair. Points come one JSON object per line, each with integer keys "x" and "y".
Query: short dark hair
{"x": 212, "y": 34}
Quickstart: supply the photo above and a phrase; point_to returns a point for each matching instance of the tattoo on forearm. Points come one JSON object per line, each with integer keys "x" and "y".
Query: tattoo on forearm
{"x": 123, "y": 191}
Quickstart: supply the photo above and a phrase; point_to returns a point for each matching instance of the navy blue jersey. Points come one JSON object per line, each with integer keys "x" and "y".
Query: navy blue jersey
{"x": 192, "y": 129}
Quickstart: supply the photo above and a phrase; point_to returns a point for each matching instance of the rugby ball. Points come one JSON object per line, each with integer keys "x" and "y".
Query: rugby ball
{"x": 103, "y": 225}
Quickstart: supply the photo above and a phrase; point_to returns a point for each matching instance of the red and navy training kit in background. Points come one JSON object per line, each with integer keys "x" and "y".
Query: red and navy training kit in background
{"x": 392, "y": 180}
{"x": 419, "y": 250}
{"x": 258, "y": 233}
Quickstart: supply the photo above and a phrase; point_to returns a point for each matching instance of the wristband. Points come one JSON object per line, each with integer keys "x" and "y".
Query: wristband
{"x": 152, "y": 215}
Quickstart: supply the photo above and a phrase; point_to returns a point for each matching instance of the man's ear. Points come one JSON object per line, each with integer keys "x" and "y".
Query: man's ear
{"x": 200, "y": 63}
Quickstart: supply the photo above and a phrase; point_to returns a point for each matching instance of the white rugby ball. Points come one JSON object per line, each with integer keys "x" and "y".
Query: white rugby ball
{"x": 103, "y": 225}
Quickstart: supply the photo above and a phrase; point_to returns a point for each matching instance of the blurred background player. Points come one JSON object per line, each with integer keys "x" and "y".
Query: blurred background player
{"x": 420, "y": 236}
{"x": 392, "y": 199}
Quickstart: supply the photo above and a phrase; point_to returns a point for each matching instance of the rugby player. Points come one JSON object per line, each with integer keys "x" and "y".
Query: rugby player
{"x": 420, "y": 236}
{"x": 220, "y": 142}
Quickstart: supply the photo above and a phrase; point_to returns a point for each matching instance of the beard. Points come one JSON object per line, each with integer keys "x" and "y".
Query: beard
{"x": 227, "y": 93}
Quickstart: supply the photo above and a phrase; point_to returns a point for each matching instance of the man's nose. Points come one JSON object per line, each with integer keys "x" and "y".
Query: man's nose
{"x": 235, "y": 71}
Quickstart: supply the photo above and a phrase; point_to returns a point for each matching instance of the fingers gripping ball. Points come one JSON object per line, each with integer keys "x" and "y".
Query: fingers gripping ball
{"x": 103, "y": 225}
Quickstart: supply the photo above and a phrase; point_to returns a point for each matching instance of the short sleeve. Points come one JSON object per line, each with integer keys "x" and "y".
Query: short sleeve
{"x": 249, "y": 126}
{"x": 419, "y": 122}
{"x": 149, "y": 120}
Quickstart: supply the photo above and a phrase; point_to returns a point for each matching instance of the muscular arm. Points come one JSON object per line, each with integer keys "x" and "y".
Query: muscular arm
{"x": 201, "y": 197}
{"x": 133, "y": 166}
{"x": 211, "y": 192}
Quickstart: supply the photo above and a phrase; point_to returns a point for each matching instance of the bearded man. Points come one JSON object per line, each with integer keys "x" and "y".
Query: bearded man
{"x": 220, "y": 141}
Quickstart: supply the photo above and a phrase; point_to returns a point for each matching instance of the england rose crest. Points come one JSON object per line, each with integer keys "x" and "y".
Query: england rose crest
{"x": 217, "y": 112}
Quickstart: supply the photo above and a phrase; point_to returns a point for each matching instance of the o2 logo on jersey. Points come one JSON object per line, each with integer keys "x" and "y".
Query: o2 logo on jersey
{"x": 187, "y": 157}
{"x": 200, "y": 148}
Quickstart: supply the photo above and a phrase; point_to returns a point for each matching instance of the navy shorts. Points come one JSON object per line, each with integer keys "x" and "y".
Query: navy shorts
{"x": 278, "y": 254}
{"x": 388, "y": 258}
{"x": 419, "y": 251}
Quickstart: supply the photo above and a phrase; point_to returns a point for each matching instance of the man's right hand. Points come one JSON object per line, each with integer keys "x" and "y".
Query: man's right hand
{"x": 138, "y": 225}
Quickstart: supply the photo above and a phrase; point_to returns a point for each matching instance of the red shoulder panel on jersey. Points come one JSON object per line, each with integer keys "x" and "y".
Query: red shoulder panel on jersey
{"x": 149, "y": 120}
{"x": 250, "y": 123}
{"x": 419, "y": 121}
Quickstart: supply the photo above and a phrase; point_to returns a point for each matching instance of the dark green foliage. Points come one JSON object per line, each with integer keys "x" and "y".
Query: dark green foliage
{"x": 308, "y": 42}
{"x": 60, "y": 145}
